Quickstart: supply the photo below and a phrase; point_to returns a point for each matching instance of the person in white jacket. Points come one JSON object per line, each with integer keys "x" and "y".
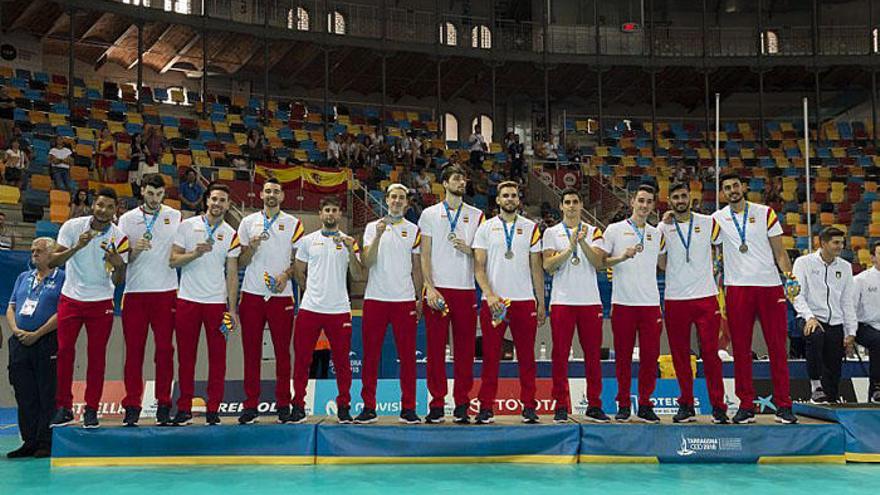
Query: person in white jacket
{"x": 826, "y": 306}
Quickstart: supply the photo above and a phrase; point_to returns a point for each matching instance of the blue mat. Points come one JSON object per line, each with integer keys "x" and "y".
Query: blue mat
{"x": 861, "y": 426}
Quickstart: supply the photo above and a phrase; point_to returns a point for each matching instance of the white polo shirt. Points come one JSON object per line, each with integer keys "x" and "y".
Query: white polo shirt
{"x": 634, "y": 281}
{"x": 757, "y": 266}
{"x": 868, "y": 297}
{"x": 827, "y": 291}
{"x": 151, "y": 271}
{"x": 573, "y": 285}
{"x": 326, "y": 291}
{"x": 87, "y": 278}
{"x": 692, "y": 279}
{"x": 509, "y": 278}
{"x": 273, "y": 255}
{"x": 203, "y": 280}
{"x": 61, "y": 154}
{"x": 390, "y": 278}
{"x": 450, "y": 268}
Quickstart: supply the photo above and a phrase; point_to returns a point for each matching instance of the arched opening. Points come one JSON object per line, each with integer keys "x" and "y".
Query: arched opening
{"x": 298, "y": 19}
{"x": 450, "y": 127}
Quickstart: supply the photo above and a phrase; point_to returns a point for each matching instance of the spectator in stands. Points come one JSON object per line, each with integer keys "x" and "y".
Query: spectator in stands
{"x": 7, "y": 237}
{"x": 106, "y": 154}
{"x": 868, "y": 313}
{"x": 60, "y": 160}
{"x": 773, "y": 190}
{"x": 680, "y": 174}
{"x": 477, "y": 147}
{"x": 495, "y": 178}
{"x": 191, "y": 193}
{"x": 80, "y": 205}
{"x": 32, "y": 315}
{"x": 16, "y": 161}
{"x": 140, "y": 154}
{"x": 255, "y": 149}
{"x": 423, "y": 181}
{"x": 515, "y": 152}
{"x": 334, "y": 151}
{"x": 155, "y": 143}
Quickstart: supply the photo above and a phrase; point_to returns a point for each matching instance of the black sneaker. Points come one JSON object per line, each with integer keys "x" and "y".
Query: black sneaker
{"x": 646, "y": 414}
{"x": 297, "y": 415}
{"x": 485, "y": 417}
{"x": 90, "y": 418}
{"x": 819, "y": 397}
{"x": 623, "y": 414}
{"x": 132, "y": 415}
{"x": 685, "y": 414}
{"x": 596, "y": 415}
{"x": 366, "y": 417}
{"x": 248, "y": 417}
{"x": 530, "y": 417}
{"x": 183, "y": 418}
{"x": 343, "y": 415}
{"x": 785, "y": 416}
{"x": 560, "y": 416}
{"x": 212, "y": 419}
{"x": 460, "y": 415}
{"x": 409, "y": 417}
{"x": 283, "y": 415}
{"x": 42, "y": 453}
{"x": 719, "y": 416}
{"x": 875, "y": 397}
{"x": 63, "y": 417}
{"x": 22, "y": 452}
{"x": 744, "y": 416}
{"x": 163, "y": 416}
{"x": 435, "y": 416}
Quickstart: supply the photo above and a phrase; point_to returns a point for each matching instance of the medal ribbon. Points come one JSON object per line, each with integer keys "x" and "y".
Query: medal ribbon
{"x": 687, "y": 244}
{"x": 267, "y": 224}
{"x": 453, "y": 222}
{"x": 508, "y": 235}
{"x": 210, "y": 230}
{"x": 149, "y": 225}
{"x": 638, "y": 232}
{"x": 574, "y": 253}
{"x": 741, "y": 231}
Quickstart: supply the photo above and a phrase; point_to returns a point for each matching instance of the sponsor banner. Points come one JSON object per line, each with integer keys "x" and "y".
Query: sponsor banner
{"x": 664, "y": 398}
{"x": 507, "y": 400}
{"x": 851, "y": 391}
{"x": 387, "y": 397}
{"x": 111, "y": 399}
{"x": 234, "y": 397}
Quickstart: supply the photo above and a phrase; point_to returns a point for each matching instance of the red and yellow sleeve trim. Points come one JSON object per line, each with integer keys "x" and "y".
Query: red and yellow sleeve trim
{"x": 482, "y": 219}
{"x": 662, "y": 241}
{"x": 418, "y": 240}
{"x": 597, "y": 234}
{"x": 716, "y": 229}
{"x": 536, "y": 236}
{"x": 235, "y": 242}
{"x": 772, "y": 219}
{"x": 297, "y": 233}
{"x": 123, "y": 246}
{"x": 356, "y": 247}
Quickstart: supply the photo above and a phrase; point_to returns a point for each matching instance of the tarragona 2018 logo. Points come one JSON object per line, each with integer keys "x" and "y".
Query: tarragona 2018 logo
{"x": 694, "y": 445}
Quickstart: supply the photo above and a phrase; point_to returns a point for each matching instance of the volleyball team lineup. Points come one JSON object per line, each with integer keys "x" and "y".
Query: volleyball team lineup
{"x": 431, "y": 270}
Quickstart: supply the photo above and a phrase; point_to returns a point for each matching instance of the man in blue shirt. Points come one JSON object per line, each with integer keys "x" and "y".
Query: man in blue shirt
{"x": 191, "y": 193}
{"x": 32, "y": 316}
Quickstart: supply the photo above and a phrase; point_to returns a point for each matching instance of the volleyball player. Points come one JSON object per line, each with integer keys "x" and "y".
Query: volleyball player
{"x": 507, "y": 257}
{"x": 268, "y": 238}
{"x": 691, "y": 298}
{"x": 391, "y": 252}
{"x": 751, "y": 238}
{"x": 448, "y": 229}
{"x": 570, "y": 257}
{"x": 632, "y": 247}
{"x": 150, "y": 295}
{"x": 95, "y": 251}
{"x": 206, "y": 250}
{"x": 322, "y": 261}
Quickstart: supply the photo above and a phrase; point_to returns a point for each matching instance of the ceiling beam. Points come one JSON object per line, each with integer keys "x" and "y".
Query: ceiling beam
{"x": 180, "y": 53}
{"x": 102, "y": 59}
{"x": 55, "y": 25}
{"x": 31, "y": 9}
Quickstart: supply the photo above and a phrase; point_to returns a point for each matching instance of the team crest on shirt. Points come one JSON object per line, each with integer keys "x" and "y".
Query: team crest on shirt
{"x": 838, "y": 274}
{"x": 281, "y": 227}
{"x": 648, "y": 237}
{"x": 167, "y": 221}
{"x": 518, "y": 231}
{"x": 751, "y": 219}
{"x": 219, "y": 237}
{"x": 403, "y": 233}
{"x": 697, "y": 229}
{"x": 465, "y": 219}
{"x": 339, "y": 247}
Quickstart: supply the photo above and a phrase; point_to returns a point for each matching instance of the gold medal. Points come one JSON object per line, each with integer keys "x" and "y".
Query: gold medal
{"x": 744, "y": 248}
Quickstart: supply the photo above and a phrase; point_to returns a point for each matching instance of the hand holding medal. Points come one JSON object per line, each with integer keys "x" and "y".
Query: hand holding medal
{"x": 227, "y": 325}
{"x": 792, "y": 286}
{"x": 499, "y": 312}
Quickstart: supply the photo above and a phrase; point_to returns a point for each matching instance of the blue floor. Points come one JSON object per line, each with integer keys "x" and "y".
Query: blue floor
{"x": 35, "y": 476}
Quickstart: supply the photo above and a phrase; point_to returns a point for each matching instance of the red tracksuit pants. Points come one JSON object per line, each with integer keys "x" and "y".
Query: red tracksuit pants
{"x": 98, "y": 319}
{"x": 403, "y": 319}
{"x": 255, "y": 311}
{"x": 140, "y": 312}
{"x": 462, "y": 305}
{"x": 522, "y": 319}
{"x": 626, "y": 323}
{"x": 191, "y": 316}
{"x": 768, "y": 304}
{"x": 703, "y": 313}
{"x": 337, "y": 328}
{"x": 588, "y": 321}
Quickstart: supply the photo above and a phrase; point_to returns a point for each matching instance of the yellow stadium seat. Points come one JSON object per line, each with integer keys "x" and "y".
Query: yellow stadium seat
{"x": 167, "y": 159}
{"x": 225, "y": 174}
{"x": 171, "y": 132}
{"x": 9, "y": 195}
{"x": 858, "y": 242}
{"x": 788, "y": 242}
{"x": 801, "y": 230}
{"x": 84, "y": 150}
{"x": 755, "y": 197}
{"x": 826, "y": 218}
{"x": 57, "y": 196}
{"x": 79, "y": 173}
{"x": 183, "y": 160}
{"x": 59, "y": 212}
{"x": 792, "y": 218}
{"x": 41, "y": 182}
{"x": 874, "y": 230}
{"x": 174, "y": 203}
